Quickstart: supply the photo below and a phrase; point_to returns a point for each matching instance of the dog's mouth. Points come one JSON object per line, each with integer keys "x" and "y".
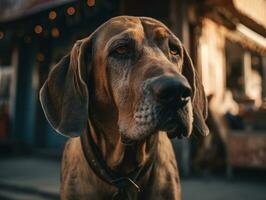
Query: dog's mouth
{"x": 170, "y": 123}
{"x": 176, "y": 121}
{"x": 150, "y": 118}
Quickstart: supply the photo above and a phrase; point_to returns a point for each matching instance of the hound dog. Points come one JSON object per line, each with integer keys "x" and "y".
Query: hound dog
{"x": 120, "y": 94}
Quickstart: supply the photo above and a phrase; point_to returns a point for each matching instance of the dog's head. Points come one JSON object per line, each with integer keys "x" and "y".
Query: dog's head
{"x": 134, "y": 71}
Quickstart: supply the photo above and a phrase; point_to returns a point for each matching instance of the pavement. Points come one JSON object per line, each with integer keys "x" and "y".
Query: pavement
{"x": 31, "y": 178}
{"x": 222, "y": 189}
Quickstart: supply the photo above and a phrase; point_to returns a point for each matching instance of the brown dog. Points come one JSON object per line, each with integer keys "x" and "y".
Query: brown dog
{"x": 118, "y": 88}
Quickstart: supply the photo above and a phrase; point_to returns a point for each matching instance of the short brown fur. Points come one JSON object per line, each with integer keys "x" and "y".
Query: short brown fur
{"x": 86, "y": 87}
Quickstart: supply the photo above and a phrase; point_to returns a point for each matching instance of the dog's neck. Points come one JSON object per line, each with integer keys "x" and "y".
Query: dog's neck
{"x": 118, "y": 156}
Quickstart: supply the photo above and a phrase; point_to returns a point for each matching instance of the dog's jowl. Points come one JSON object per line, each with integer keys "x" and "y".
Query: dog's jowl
{"x": 120, "y": 94}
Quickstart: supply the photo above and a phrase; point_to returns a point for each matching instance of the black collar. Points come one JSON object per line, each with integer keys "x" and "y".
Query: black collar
{"x": 98, "y": 165}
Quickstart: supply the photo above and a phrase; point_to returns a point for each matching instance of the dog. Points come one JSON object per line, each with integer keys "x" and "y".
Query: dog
{"x": 120, "y": 94}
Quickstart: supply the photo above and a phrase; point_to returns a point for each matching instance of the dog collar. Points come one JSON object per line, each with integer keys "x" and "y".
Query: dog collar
{"x": 96, "y": 162}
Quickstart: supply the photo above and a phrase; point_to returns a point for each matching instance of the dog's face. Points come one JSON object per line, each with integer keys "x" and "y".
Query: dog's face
{"x": 141, "y": 57}
{"x": 135, "y": 67}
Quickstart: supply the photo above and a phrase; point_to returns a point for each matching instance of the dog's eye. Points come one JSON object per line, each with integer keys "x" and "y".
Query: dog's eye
{"x": 122, "y": 50}
{"x": 174, "y": 50}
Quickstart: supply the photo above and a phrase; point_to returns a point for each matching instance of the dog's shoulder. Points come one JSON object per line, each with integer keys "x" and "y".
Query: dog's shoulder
{"x": 71, "y": 154}
{"x": 72, "y": 148}
{"x": 165, "y": 158}
{"x": 73, "y": 170}
{"x": 165, "y": 173}
{"x": 165, "y": 149}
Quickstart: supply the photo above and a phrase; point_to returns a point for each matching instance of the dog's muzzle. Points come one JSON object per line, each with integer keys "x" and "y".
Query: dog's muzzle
{"x": 165, "y": 106}
{"x": 171, "y": 95}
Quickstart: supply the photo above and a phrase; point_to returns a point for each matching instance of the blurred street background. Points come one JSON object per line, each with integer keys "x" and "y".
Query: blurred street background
{"x": 38, "y": 178}
{"x": 227, "y": 43}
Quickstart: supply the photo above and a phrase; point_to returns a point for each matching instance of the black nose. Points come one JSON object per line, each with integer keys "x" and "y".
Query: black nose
{"x": 171, "y": 89}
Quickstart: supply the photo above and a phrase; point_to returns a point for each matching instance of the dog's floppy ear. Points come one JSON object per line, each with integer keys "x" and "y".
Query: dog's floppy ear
{"x": 64, "y": 95}
{"x": 199, "y": 101}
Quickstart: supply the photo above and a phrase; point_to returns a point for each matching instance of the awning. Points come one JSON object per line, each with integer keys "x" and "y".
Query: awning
{"x": 246, "y": 38}
{"x": 248, "y": 12}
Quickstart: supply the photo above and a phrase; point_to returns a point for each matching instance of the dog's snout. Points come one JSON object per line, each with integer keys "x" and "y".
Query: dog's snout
{"x": 171, "y": 89}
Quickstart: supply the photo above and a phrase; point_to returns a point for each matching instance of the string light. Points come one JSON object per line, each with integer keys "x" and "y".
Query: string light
{"x": 38, "y": 29}
{"x": 55, "y": 32}
{"x": 40, "y": 57}
{"x": 71, "y": 10}
{"x": 90, "y": 3}
{"x": 2, "y": 35}
{"x": 52, "y": 15}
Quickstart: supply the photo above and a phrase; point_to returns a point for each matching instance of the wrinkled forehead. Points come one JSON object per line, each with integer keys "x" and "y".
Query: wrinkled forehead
{"x": 137, "y": 28}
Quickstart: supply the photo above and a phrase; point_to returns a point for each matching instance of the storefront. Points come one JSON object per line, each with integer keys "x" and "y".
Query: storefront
{"x": 32, "y": 40}
{"x": 231, "y": 55}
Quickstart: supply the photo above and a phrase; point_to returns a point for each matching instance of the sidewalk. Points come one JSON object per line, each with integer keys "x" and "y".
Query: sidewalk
{"x": 29, "y": 179}
{"x": 222, "y": 189}
{"x": 38, "y": 179}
